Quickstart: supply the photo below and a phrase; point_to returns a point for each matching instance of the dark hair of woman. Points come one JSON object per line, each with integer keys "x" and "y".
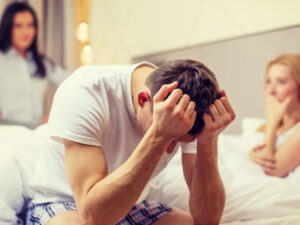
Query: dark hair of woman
{"x": 6, "y": 26}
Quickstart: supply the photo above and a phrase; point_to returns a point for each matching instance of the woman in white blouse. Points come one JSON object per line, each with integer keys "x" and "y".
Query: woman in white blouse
{"x": 279, "y": 154}
{"x": 25, "y": 75}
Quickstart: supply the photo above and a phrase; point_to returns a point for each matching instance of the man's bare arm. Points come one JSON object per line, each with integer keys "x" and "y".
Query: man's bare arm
{"x": 102, "y": 198}
{"x": 106, "y": 198}
{"x": 207, "y": 197}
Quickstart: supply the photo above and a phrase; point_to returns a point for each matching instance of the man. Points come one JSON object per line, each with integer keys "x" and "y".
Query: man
{"x": 120, "y": 125}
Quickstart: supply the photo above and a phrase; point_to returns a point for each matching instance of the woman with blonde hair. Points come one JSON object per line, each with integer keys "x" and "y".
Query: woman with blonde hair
{"x": 279, "y": 153}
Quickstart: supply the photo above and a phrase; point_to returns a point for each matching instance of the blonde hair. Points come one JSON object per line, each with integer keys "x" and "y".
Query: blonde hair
{"x": 292, "y": 61}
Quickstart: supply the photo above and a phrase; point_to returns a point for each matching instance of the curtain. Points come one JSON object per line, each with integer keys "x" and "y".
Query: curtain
{"x": 59, "y": 40}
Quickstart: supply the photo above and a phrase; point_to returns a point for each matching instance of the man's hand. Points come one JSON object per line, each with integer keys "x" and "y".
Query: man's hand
{"x": 207, "y": 195}
{"x": 221, "y": 116}
{"x": 173, "y": 115}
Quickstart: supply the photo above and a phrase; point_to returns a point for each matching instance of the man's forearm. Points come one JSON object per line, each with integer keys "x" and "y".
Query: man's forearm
{"x": 207, "y": 197}
{"x": 111, "y": 199}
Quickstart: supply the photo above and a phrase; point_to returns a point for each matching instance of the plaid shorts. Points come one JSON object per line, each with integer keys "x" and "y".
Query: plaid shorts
{"x": 144, "y": 213}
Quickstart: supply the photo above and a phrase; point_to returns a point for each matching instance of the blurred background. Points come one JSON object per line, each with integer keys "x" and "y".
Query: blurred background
{"x": 78, "y": 32}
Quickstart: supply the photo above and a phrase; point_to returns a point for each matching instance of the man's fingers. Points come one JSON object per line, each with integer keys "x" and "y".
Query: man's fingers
{"x": 207, "y": 119}
{"x": 174, "y": 98}
{"x": 184, "y": 102}
{"x": 220, "y": 107}
{"x": 228, "y": 107}
{"x": 190, "y": 109}
{"x": 193, "y": 117}
{"x": 164, "y": 91}
{"x": 214, "y": 112}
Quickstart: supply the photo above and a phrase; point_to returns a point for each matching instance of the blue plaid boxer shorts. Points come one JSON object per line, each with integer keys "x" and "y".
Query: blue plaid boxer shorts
{"x": 144, "y": 213}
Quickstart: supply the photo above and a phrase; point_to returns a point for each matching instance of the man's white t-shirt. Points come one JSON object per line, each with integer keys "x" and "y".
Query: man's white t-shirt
{"x": 93, "y": 106}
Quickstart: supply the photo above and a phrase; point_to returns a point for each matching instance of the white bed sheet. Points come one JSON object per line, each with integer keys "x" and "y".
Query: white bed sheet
{"x": 252, "y": 197}
{"x": 284, "y": 220}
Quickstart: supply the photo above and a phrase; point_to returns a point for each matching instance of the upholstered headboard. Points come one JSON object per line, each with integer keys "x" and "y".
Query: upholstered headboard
{"x": 239, "y": 65}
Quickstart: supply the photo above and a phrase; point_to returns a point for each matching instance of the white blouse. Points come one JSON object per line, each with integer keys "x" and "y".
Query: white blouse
{"x": 21, "y": 93}
{"x": 285, "y": 135}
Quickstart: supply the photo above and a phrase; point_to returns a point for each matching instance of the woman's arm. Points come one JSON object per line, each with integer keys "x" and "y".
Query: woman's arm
{"x": 285, "y": 159}
{"x": 275, "y": 111}
{"x": 287, "y": 156}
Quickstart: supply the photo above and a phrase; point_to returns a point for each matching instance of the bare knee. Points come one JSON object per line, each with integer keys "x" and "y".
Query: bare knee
{"x": 65, "y": 218}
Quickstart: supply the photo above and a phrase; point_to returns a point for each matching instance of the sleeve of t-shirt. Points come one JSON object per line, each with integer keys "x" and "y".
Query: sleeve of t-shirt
{"x": 77, "y": 115}
{"x": 189, "y": 147}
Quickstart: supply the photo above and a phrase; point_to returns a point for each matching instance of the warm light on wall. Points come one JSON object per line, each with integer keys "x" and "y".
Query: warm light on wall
{"x": 86, "y": 55}
{"x": 82, "y": 31}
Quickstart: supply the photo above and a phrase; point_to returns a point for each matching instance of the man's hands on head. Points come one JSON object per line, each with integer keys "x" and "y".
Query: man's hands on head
{"x": 221, "y": 115}
{"x": 173, "y": 112}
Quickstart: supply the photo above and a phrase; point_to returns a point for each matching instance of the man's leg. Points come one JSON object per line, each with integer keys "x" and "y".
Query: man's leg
{"x": 176, "y": 217}
{"x": 65, "y": 218}
{"x": 65, "y": 213}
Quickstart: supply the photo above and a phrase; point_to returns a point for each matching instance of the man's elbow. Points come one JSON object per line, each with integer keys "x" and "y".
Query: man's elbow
{"x": 92, "y": 217}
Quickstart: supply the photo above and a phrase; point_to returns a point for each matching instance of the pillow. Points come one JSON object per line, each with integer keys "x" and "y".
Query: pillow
{"x": 250, "y": 124}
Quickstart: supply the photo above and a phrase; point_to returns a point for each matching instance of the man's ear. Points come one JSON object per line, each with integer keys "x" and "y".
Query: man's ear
{"x": 143, "y": 97}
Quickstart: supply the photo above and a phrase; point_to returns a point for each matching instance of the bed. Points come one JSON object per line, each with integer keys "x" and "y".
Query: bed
{"x": 251, "y": 196}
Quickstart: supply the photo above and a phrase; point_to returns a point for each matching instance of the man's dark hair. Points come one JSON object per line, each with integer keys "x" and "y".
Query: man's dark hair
{"x": 6, "y": 26}
{"x": 194, "y": 79}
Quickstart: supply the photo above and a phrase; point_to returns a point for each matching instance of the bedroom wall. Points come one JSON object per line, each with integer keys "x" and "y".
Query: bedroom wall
{"x": 121, "y": 30}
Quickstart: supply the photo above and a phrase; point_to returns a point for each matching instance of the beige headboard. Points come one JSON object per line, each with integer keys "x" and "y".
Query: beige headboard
{"x": 239, "y": 65}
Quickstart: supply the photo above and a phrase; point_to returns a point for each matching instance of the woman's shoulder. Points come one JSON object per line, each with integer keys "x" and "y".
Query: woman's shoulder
{"x": 294, "y": 131}
{"x": 8, "y": 57}
{"x": 6, "y": 54}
